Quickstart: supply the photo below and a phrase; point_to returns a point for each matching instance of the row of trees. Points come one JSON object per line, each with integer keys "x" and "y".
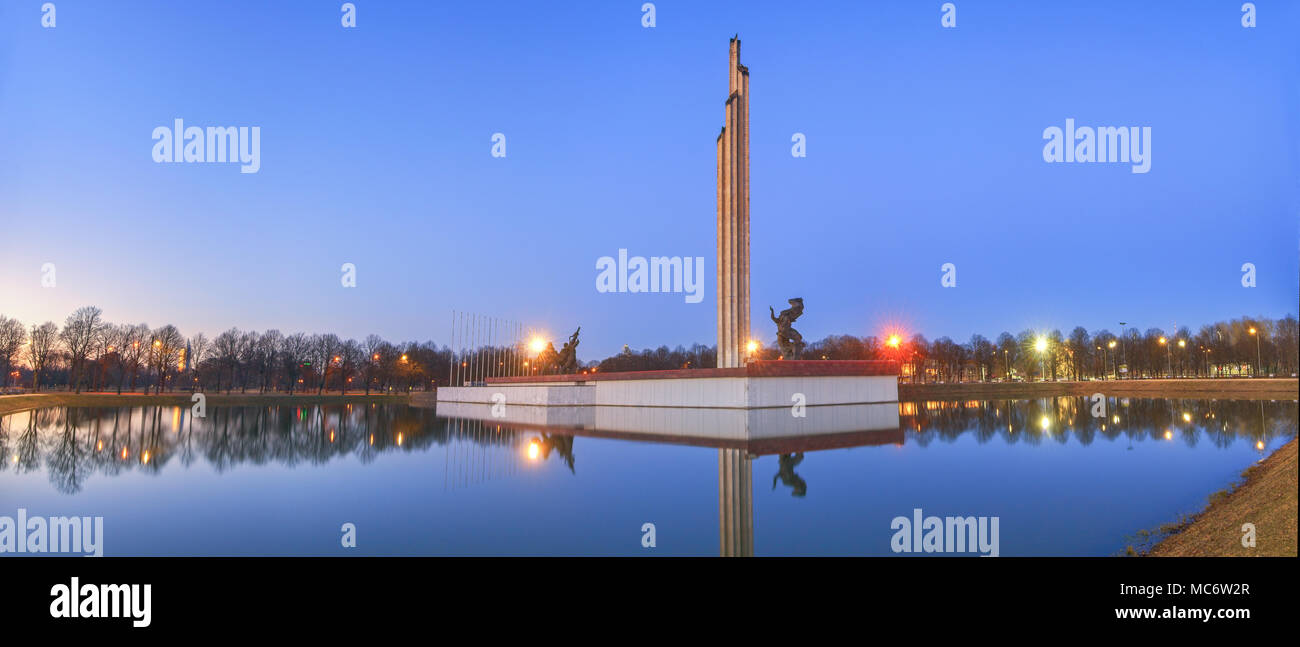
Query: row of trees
{"x": 88, "y": 352}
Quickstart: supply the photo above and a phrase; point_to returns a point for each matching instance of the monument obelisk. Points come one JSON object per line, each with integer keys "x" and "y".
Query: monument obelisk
{"x": 733, "y": 217}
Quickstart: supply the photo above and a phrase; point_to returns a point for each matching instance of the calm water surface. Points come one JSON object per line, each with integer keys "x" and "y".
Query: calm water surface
{"x": 283, "y": 480}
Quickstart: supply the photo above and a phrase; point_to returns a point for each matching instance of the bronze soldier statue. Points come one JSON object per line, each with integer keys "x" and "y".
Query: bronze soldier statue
{"x": 789, "y": 339}
{"x": 567, "y": 361}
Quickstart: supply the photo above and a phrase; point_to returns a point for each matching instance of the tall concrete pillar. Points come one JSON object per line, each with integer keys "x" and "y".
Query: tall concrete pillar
{"x": 733, "y": 217}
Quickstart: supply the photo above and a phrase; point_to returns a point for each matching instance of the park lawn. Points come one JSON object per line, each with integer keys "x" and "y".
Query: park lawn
{"x": 1266, "y": 497}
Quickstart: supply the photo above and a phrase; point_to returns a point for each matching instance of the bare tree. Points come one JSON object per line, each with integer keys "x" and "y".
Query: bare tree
{"x": 371, "y": 347}
{"x": 12, "y": 337}
{"x": 323, "y": 349}
{"x": 226, "y": 350}
{"x": 293, "y": 352}
{"x": 135, "y": 344}
{"x": 80, "y": 331}
{"x": 350, "y": 357}
{"x": 166, "y": 352}
{"x": 43, "y": 345}
{"x": 269, "y": 347}
{"x": 199, "y": 348}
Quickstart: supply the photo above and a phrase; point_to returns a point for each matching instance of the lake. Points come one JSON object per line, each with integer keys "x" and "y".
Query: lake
{"x": 282, "y": 480}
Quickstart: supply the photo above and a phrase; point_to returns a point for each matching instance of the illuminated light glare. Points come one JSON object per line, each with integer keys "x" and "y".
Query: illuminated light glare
{"x": 399, "y": 439}
{"x": 1045, "y": 422}
{"x": 533, "y": 450}
{"x": 1258, "y": 445}
{"x": 1115, "y": 420}
{"x": 1040, "y": 345}
{"x": 1169, "y": 435}
{"x": 144, "y": 458}
{"x": 537, "y": 345}
{"x": 751, "y": 346}
{"x": 1187, "y": 417}
{"x": 894, "y": 341}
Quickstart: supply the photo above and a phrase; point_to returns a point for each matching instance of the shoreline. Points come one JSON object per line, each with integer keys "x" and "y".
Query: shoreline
{"x": 1265, "y": 496}
{"x": 16, "y": 403}
{"x": 1279, "y": 388}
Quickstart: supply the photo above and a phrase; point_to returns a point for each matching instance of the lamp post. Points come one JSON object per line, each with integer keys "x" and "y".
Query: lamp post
{"x": 1123, "y": 355}
{"x": 1169, "y": 356}
{"x": 1111, "y": 345}
{"x": 1182, "y": 360}
{"x": 1253, "y": 333}
{"x": 1041, "y": 347}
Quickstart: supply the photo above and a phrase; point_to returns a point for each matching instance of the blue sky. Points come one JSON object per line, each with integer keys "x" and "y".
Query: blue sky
{"x": 924, "y": 148}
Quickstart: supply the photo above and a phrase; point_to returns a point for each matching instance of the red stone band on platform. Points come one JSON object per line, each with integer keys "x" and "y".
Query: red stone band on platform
{"x": 757, "y": 368}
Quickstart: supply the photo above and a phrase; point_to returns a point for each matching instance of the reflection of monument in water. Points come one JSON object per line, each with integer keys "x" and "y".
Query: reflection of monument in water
{"x": 735, "y": 503}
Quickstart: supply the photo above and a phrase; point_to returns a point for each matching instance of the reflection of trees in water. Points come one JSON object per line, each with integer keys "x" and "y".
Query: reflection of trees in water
{"x": 1035, "y": 421}
{"x": 73, "y": 443}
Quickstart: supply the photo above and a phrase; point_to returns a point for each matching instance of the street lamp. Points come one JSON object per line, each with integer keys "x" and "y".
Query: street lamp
{"x": 1182, "y": 359}
{"x": 1123, "y": 348}
{"x": 1114, "y": 363}
{"x": 1257, "y": 355}
{"x": 1169, "y": 356}
{"x": 1041, "y": 346}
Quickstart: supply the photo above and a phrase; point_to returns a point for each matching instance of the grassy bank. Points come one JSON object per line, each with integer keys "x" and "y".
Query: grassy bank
{"x": 1239, "y": 389}
{"x": 12, "y": 403}
{"x": 1266, "y": 497}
